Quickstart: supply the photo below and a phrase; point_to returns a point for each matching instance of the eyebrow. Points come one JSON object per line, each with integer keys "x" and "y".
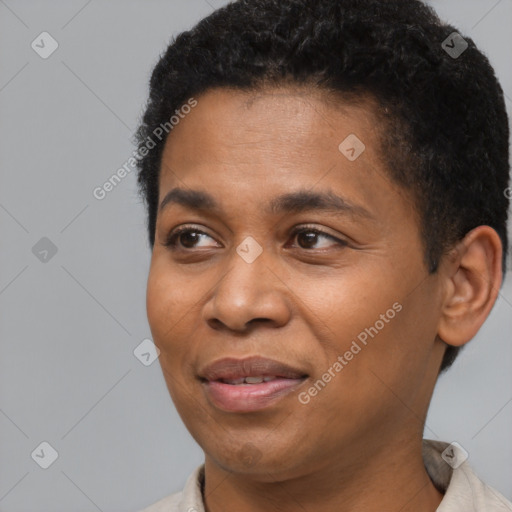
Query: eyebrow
{"x": 292, "y": 202}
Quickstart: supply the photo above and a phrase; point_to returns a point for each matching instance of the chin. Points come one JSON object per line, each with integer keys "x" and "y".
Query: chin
{"x": 261, "y": 460}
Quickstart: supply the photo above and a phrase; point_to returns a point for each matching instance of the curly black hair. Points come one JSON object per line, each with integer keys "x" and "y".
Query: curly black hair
{"x": 445, "y": 130}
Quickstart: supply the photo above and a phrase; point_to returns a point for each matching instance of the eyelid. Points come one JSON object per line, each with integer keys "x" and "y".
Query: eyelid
{"x": 313, "y": 228}
{"x": 170, "y": 238}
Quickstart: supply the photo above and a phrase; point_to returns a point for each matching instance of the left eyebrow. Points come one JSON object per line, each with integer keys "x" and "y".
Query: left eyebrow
{"x": 305, "y": 200}
{"x": 293, "y": 202}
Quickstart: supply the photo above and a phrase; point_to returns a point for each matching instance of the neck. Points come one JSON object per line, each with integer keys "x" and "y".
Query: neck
{"x": 390, "y": 478}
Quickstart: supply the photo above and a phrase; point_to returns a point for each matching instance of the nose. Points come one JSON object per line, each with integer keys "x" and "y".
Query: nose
{"x": 248, "y": 294}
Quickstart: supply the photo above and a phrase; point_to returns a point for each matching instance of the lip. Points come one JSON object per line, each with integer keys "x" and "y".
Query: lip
{"x": 249, "y": 397}
{"x": 254, "y": 366}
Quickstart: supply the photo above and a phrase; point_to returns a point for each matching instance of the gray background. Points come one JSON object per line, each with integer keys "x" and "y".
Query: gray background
{"x": 69, "y": 326}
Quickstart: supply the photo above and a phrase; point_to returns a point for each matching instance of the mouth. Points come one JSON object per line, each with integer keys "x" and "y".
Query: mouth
{"x": 249, "y": 384}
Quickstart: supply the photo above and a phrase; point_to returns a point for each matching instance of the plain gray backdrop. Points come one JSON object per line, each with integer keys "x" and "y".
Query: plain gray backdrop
{"x": 71, "y": 319}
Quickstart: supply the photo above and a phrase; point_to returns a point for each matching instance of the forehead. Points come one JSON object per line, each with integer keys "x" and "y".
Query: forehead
{"x": 284, "y": 127}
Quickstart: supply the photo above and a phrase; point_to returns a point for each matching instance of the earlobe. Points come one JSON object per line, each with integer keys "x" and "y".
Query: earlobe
{"x": 473, "y": 279}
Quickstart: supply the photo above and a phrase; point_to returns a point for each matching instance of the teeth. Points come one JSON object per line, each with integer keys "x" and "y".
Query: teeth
{"x": 254, "y": 380}
{"x": 235, "y": 381}
{"x": 249, "y": 380}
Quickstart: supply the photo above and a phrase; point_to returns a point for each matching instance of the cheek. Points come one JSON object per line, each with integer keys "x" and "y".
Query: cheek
{"x": 168, "y": 300}
{"x": 159, "y": 303}
{"x": 372, "y": 313}
{"x": 400, "y": 355}
{"x": 348, "y": 301}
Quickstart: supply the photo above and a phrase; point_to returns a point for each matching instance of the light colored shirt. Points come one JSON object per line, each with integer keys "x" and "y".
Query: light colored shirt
{"x": 446, "y": 465}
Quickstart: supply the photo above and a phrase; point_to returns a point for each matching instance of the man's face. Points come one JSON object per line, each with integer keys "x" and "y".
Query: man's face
{"x": 302, "y": 285}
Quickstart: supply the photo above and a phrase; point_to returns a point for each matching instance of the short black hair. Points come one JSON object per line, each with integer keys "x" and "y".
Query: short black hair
{"x": 445, "y": 132}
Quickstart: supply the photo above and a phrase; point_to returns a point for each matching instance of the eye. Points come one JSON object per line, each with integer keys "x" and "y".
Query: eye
{"x": 310, "y": 235}
{"x": 185, "y": 237}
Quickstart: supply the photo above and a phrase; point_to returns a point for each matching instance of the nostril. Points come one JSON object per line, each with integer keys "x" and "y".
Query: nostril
{"x": 215, "y": 323}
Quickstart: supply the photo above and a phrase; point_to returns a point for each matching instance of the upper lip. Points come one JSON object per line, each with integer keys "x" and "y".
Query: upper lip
{"x": 255, "y": 366}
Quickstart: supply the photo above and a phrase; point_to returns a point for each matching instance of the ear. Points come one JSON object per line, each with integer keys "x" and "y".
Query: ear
{"x": 473, "y": 275}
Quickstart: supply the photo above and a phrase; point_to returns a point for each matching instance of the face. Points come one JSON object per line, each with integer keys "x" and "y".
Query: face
{"x": 281, "y": 255}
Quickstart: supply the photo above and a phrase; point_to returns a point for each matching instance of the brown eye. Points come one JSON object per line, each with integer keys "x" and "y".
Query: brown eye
{"x": 185, "y": 237}
{"x": 188, "y": 238}
{"x": 307, "y": 238}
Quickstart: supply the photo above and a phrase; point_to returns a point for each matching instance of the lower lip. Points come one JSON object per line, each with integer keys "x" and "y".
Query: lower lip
{"x": 249, "y": 397}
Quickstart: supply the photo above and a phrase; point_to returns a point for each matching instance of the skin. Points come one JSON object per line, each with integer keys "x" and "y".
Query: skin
{"x": 357, "y": 444}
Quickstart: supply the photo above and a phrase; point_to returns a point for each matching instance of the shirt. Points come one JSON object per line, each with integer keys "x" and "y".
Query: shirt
{"x": 446, "y": 464}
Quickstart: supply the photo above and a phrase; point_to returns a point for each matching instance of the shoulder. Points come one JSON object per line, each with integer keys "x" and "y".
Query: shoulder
{"x": 451, "y": 473}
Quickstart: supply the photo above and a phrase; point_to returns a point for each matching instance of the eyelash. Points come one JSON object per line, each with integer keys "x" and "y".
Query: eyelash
{"x": 171, "y": 241}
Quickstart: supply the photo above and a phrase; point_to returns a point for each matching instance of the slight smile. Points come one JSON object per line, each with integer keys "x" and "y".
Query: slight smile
{"x": 249, "y": 384}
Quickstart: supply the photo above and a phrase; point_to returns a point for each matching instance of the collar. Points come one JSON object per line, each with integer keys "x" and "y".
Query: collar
{"x": 446, "y": 465}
